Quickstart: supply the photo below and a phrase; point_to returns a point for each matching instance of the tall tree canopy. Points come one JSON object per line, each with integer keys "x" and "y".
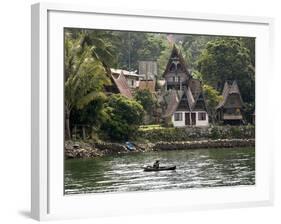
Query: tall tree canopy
{"x": 123, "y": 117}
{"x": 85, "y": 75}
{"x": 228, "y": 59}
{"x": 138, "y": 46}
{"x": 212, "y": 98}
{"x": 146, "y": 99}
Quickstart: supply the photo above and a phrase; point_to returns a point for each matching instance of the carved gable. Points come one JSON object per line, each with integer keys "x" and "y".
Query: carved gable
{"x": 176, "y": 73}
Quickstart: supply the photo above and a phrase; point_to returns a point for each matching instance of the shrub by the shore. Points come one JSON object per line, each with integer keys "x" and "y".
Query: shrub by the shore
{"x": 195, "y": 133}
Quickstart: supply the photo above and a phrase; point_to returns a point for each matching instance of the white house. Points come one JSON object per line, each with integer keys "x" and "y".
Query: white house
{"x": 185, "y": 104}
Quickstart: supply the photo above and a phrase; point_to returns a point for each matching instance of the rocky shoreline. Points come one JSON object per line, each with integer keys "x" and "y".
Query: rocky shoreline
{"x": 92, "y": 150}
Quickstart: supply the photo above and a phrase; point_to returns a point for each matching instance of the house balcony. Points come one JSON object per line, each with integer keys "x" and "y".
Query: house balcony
{"x": 174, "y": 85}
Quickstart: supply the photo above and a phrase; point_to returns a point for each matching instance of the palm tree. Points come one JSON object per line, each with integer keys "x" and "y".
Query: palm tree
{"x": 85, "y": 75}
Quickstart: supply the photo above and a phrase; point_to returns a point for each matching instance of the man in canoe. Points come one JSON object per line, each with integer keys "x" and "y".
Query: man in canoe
{"x": 156, "y": 164}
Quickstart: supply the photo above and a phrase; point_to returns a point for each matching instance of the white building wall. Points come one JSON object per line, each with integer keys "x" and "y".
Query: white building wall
{"x": 179, "y": 123}
{"x": 132, "y": 83}
{"x": 199, "y": 123}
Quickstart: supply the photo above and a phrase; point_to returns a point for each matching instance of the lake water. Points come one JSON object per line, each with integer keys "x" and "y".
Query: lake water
{"x": 195, "y": 169}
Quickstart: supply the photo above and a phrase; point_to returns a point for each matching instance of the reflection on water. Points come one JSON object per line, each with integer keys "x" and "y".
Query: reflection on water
{"x": 195, "y": 168}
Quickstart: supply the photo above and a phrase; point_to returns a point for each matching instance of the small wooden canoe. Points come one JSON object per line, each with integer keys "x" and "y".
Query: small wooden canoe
{"x": 161, "y": 168}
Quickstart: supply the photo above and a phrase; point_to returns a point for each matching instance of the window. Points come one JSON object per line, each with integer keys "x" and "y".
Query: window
{"x": 201, "y": 116}
{"x": 178, "y": 116}
{"x": 178, "y": 67}
{"x": 172, "y": 67}
{"x": 176, "y": 79}
{"x": 132, "y": 82}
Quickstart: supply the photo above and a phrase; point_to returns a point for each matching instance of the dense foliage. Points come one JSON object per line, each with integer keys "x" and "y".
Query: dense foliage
{"x": 146, "y": 99}
{"x": 85, "y": 76}
{"x": 89, "y": 55}
{"x": 137, "y": 46}
{"x": 227, "y": 59}
{"x": 212, "y": 99}
{"x": 190, "y": 134}
{"x": 123, "y": 117}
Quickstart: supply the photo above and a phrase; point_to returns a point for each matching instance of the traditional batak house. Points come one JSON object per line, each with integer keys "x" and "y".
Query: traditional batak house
{"x": 229, "y": 110}
{"x": 185, "y": 104}
{"x": 119, "y": 84}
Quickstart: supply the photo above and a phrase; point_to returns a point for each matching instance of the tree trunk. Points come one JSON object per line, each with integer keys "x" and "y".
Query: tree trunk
{"x": 84, "y": 132}
{"x": 67, "y": 124}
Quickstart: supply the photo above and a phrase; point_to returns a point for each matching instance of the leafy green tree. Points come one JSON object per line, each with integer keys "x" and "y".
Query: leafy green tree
{"x": 163, "y": 60}
{"x": 192, "y": 46}
{"x": 105, "y": 46}
{"x": 228, "y": 59}
{"x": 249, "y": 109}
{"x": 212, "y": 99}
{"x": 250, "y": 44}
{"x": 146, "y": 99}
{"x": 85, "y": 76}
{"x": 92, "y": 114}
{"x": 123, "y": 117}
{"x": 136, "y": 46}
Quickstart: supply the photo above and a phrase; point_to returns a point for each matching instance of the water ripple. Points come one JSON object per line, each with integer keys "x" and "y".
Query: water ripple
{"x": 195, "y": 168}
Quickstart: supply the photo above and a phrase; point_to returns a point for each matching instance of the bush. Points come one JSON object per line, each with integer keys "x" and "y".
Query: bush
{"x": 196, "y": 133}
{"x": 123, "y": 117}
{"x": 215, "y": 133}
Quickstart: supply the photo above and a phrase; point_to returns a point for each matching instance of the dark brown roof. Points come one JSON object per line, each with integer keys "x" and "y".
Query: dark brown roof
{"x": 174, "y": 98}
{"x": 120, "y": 81}
{"x": 175, "y": 53}
{"x": 229, "y": 89}
{"x": 147, "y": 85}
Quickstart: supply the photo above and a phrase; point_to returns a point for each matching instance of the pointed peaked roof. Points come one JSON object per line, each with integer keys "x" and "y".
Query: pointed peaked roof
{"x": 190, "y": 98}
{"x": 176, "y": 54}
{"x": 172, "y": 101}
{"x": 234, "y": 88}
{"x": 227, "y": 90}
{"x": 120, "y": 81}
{"x": 200, "y": 101}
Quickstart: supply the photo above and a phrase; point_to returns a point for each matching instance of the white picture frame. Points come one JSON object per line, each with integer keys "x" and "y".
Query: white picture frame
{"x": 48, "y": 201}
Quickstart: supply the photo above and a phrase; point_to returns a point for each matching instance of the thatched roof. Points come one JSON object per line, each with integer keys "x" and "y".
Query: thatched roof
{"x": 190, "y": 98}
{"x": 228, "y": 90}
{"x": 174, "y": 98}
{"x": 176, "y": 54}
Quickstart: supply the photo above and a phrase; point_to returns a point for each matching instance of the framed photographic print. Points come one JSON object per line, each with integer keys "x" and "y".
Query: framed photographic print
{"x": 137, "y": 112}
